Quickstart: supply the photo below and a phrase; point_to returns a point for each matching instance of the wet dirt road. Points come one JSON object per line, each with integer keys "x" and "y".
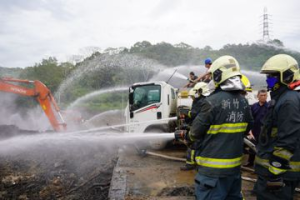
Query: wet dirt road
{"x": 150, "y": 177}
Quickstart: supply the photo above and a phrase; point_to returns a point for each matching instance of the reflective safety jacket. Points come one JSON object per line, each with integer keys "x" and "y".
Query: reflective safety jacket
{"x": 196, "y": 108}
{"x": 279, "y": 141}
{"x": 220, "y": 128}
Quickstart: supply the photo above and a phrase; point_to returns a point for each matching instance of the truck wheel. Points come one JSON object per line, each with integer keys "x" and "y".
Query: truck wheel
{"x": 157, "y": 144}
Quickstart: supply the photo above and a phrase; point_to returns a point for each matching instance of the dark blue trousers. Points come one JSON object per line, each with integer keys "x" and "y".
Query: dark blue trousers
{"x": 286, "y": 193}
{"x": 221, "y": 188}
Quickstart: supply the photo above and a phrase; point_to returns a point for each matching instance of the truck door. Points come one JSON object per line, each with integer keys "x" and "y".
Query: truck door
{"x": 145, "y": 104}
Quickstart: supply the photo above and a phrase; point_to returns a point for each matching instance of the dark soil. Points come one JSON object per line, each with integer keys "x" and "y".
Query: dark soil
{"x": 178, "y": 191}
{"x": 79, "y": 172}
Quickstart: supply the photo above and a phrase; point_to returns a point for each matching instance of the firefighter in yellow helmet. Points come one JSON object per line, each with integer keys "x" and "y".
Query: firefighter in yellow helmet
{"x": 219, "y": 128}
{"x": 277, "y": 161}
{"x": 248, "y": 90}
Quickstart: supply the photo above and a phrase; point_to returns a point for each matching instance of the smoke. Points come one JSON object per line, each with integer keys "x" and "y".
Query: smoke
{"x": 24, "y": 118}
{"x": 7, "y": 108}
{"x": 275, "y": 46}
{"x": 48, "y": 156}
{"x": 70, "y": 141}
{"x": 107, "y": 118}
{"x": 73, "y": 148}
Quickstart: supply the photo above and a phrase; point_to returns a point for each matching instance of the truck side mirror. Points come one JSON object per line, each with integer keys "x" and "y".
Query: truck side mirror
{"x": 131, "y": 98}
{"x": 131, "y": 115}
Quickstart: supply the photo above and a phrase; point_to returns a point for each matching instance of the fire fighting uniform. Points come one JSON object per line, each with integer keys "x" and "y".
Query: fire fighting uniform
{"x": 279, "y": 145}
{"x": 196, "y": 107}
{"x": 220, "y": 127}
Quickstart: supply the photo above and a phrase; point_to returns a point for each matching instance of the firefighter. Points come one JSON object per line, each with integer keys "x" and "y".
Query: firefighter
{"x": 277, "y": 162}
{"x": 198, "y": 94}
{"x": 220, "y": 127}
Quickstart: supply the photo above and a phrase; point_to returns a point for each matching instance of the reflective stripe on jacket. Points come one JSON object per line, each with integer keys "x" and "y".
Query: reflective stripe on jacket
{"x": 228, "y": 128}
{"x": 280, "y": 135}
{"x": 219, "y": 128}
{"x": 219, "y": 163}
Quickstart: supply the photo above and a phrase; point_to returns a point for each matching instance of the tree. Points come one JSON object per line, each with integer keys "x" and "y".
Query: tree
{"x": 49, "y": 72}
{"x": 140, "y": 46}
{"x": 276, "y": 42}
{"x": 207, "y": 48}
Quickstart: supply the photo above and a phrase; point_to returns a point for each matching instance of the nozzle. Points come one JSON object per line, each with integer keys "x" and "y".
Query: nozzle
{"x": 179, "y": 135}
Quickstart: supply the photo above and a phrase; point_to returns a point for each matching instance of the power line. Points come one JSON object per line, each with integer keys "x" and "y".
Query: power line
{"x": 266, "y": 31}
{"x": 286, "y": 20}
{"x": 282, "y": 25}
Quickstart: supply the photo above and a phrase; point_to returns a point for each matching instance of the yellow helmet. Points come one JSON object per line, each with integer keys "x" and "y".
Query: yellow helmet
{"x": 246, "y": 83}
{"x": 202, "y": 87}
{"x": 284, "y": 65}
{"x": 224, "y": 68}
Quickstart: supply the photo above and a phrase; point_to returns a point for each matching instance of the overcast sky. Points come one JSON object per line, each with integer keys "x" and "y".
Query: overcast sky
{"x": 34, "y": 29}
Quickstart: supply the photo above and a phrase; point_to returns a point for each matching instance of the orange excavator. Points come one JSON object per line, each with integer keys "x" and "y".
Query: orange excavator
{"x": 42, "y": 94}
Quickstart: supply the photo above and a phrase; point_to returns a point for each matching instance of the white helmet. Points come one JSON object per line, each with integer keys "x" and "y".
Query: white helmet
{"x": 201, "y": 88}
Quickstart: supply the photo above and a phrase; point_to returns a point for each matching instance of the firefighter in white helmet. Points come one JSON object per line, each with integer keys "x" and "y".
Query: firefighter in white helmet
{"x": 198, "y": 93}
{"x": 277, "y": 161}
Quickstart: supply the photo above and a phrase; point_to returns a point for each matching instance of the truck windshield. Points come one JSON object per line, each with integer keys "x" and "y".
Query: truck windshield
{"x": 145, "y": 95}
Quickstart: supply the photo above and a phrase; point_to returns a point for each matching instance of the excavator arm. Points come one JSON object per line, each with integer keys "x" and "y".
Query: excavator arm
{"x": 43, "y": 96}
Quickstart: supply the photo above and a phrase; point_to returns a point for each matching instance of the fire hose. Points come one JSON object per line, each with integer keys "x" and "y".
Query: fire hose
{"x": 253, "y": 180}
{"x": 181, "y": 135}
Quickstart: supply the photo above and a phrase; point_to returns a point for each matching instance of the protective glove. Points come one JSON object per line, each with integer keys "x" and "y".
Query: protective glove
{"x": 184, "y": 112}
{"x": 180, "y": 135}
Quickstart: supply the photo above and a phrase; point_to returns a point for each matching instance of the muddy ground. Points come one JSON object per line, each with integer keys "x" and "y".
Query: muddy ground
{"x": 84, "y": 171}
{"x": 73, "y": 172}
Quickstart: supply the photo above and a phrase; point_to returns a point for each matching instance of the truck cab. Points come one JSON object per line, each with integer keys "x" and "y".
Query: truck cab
{"x": 150, "y": 101}
{"x": 150, "y": 107}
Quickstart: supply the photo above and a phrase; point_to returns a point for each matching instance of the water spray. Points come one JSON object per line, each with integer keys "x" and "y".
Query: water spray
{"x": 125, "y": 62}
{"x": 122, "y": 125}
{"x": 94, "y": 94}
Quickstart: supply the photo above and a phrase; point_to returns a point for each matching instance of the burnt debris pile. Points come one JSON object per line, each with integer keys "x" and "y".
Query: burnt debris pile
{"x": 77, "y": 171}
